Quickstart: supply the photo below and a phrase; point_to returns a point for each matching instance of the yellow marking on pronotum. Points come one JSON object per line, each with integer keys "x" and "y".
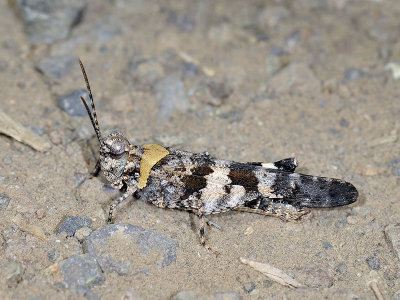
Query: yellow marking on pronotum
{"x": 152, "y": 153}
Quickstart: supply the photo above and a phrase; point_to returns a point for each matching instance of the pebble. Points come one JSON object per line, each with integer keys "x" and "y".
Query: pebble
{"x": 2, "y": 242}
{"x": 396, "y": 171}
{"x": 56, "y": 67}
{"x": 80, "y": 273}
{"x": 55, "y": 137}
{"x": 48, "y": 21}
{"x": 3, "y": 65}
{"x": 368, "y": 170}
{"x": 392, "y": 233}
{"x": 327, "y": 245}
{"x": 125, "y": 248}
{"x": 220, "y": 89}
{"x": 106, "y": 29}
{"x": 394, "y": 68}
{"x": 191, "y": 295}
{"x": 71, "y": 224}
{"x": 315, "y": 275}
{"x": 11, "y": 273}
{"x": 396, "y": 295}
{"x": 353, "y": 73}
{"x": 394, "y": 162}
{"x": 183, "y": 22}
{"x": 373, "y": 263}
{"x": 82, "y": 233}
{"x": 72, "y": 104}
{"x": 296, "y": 76}
{"x": 145, "y": 72}
{"x": 4, "y": 200}
{"x": 271, "y": 16}
{"x": 344, "y": 123}
{"x": 171, "y": 96}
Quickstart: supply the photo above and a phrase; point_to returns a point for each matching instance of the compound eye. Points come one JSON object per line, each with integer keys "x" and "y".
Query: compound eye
{"x": 117, "y": 147}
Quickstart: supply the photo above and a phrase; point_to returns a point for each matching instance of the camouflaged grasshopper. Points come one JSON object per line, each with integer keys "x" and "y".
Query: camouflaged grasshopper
{"x": 204, "y": 185}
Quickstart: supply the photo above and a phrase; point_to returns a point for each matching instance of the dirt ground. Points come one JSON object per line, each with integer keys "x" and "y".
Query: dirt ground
{"x": 243, "y": 80}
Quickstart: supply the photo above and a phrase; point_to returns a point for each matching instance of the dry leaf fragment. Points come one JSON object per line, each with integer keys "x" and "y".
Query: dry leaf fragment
{"x": 19, "y": 133}
{"x": 31, "y": 229}
{"x": 273, "y": 273}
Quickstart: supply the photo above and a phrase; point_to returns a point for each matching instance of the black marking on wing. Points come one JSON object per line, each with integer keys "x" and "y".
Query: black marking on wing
{"x": 201, "y": 170}
{"x": 287, "y": 164}
{"x": 192, "y": 184}
{"x": 242, "y": 174}
{"x": 310, "y": 191}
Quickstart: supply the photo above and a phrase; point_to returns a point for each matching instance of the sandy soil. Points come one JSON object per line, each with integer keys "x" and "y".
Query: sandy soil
{"x": 246, "y": 81}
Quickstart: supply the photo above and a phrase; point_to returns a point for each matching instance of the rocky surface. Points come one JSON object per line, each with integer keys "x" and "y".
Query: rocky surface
{"x": 253, "y": 81}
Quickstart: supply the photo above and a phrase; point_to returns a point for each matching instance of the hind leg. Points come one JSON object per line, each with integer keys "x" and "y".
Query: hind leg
{"x": 202, "y": 235}
{"x": 275, "y": 208}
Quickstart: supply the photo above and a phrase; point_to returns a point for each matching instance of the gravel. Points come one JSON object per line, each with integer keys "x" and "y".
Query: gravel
{"x": 171, "y": 97}
{"x": 47, "y": 21}
{"x": 80, "y": 273}
{"x": 71, "y": 224}
{"x": 124, "y": 248}
{"x": 72, "y": 104}
{"x": 4, "y": 200}
{"x": 56, "y": 66}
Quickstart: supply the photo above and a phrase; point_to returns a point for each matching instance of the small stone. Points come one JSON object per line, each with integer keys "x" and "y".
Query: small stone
{"x": 41, "y": 213}
{"x": 106, "y": 29}
{"x": 52, "y": 254}
{"x": 11, "y": 273}
{"x": 368, "y": 170}
{"x": 4, "y": 200}
{"x": 145, "y": 72}
{"x": 38, "y": 130}
{"x": 3, "y": 65}
{"x": 2, "y": 241}
{"x": 72, "y": 104}
{"x": 56, "y": 67}
{"x": 82, "y": 233}
{"x": 315, "y": 275}
{"x": 327, "y": 245}
{"x": 55, "y": 137}
{"x": 80, "y": 273}
{"x": 171, "y": 97}
{"x": 392, "y": 233}
{"x": 396, "y": 295}
{"x": 271, "y": 16}
{"x": 353, "y": 73}
{"x": 183, "y": 22}
{"x": 344, "y": 123}
{"x": 71, "y": 224}
{"x": 295, "y": 77}
{"x": 220, "y": 89}
{"x": 79, "y": 178}
{"x": 394, "y": 68}
{"x": 140, "y": 246}
{"x": 373, "y": 263}
{"x": 394, "y": 162}
{"x": 47, "y": 21}
{"x": 396, "y": 171}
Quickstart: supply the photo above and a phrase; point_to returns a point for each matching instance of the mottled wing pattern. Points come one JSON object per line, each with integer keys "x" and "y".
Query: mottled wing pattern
{"x": 213, "y": 186}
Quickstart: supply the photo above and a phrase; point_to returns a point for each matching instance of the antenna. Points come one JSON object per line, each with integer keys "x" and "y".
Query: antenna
{"x": 92, "y": 116}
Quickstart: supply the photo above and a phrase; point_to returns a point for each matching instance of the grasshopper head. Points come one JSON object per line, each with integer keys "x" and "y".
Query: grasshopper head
{"x": 114, "y": 154}
{"x": 114, "y": 148}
